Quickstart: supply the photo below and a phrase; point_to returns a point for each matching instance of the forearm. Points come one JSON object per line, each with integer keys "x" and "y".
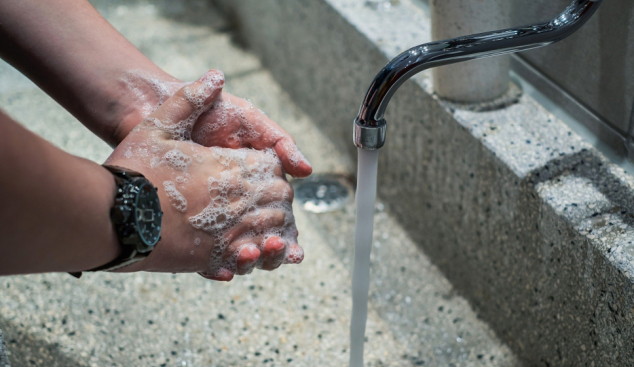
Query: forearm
{"x": 55, "y": 207}
{"x": 69, "y": 50}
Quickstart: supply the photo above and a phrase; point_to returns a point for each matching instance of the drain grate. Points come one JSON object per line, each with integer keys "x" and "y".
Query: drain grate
{"x": 322, "y": 193}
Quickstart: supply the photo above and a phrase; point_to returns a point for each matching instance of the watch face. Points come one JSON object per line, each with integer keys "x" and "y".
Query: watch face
{"x": 148, "y": 215}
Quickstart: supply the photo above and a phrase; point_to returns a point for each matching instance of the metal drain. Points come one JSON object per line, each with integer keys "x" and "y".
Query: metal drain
{"x": 322, "y": 193}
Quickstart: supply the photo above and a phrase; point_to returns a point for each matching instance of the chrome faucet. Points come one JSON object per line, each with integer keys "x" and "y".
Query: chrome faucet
{"x": 370, "y": 125}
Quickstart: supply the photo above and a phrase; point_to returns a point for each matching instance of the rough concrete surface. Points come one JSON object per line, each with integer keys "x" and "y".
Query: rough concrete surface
{"x": 4, "y": 359}
{"x": 295, "y": 316}
{"x": 527, "y": 221}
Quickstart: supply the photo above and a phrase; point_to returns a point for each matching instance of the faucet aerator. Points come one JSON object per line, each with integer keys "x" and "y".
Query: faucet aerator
{"x": 370, "y": 137}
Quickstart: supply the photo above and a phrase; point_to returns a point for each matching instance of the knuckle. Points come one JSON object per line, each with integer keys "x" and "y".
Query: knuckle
{"x": 289, "y": 194}
{"x": 278, "y": 170}
{"x": 284, "y": 190}
{"x": 193, "y": 95}
{"x": 276, "y": 218}
{"x": 280, "y": 217}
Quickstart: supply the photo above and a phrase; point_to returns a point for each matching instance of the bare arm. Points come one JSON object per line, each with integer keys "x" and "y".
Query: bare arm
{"x": 70, "y": 51}
{"x": 218, "y": 221}
{"x": 55, "y": 207}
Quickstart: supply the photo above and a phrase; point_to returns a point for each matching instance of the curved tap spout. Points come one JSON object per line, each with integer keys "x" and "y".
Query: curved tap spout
{"x": 370, "y": 126}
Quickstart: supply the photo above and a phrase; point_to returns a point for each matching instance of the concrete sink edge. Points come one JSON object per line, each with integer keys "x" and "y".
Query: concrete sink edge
{"x": 528, "y": 221}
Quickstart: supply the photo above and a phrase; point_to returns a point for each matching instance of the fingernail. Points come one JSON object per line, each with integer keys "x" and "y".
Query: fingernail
{"x": 275, "y": 244}
{"x": 251, "y": 251}
{"x": 223, "y": 274}
{"x": 295, "y": 255}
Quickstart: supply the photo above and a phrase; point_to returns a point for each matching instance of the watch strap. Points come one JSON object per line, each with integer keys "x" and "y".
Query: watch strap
{"x": 124, "y": 259}
{"x": 129, "y": 255}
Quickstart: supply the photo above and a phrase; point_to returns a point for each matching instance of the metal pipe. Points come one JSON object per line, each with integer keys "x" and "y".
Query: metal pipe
{"x": 370, "y": 125}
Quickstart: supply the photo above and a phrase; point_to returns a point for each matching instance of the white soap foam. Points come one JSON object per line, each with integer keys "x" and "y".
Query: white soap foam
{"x": 236, "y": 193}
{"x": 139, "y": 83}
{"x": 182, "y": 180}
{"x": 177, "y": 199}
{"x": 177, "y": 159}
{"x": 230, "y": 202}
{"x": 228, "y": 113}
{"x": 295, "y": 157}
{"x": 198, "y": 158}
{"x": 196, "y": 97}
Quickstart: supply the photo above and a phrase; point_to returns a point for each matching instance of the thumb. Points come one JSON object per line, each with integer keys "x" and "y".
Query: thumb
{"x": 179, "y": 113}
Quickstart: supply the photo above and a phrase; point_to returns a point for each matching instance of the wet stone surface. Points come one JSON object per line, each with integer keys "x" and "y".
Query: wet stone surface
{"x": 528, "y": 221}
{"x": 295, "y": 316}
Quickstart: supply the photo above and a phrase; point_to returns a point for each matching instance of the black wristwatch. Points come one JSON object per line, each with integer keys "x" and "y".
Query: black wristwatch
{"x": 136, "y": 217}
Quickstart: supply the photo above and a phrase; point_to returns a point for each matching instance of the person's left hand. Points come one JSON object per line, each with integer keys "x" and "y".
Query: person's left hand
{"x": 226, "y": 210}
{"x": 232, "y": 122}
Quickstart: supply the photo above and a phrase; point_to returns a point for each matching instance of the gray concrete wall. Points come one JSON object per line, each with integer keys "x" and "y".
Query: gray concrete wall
{"x": 531, "y": 224}
{"x": 596, "y": 65}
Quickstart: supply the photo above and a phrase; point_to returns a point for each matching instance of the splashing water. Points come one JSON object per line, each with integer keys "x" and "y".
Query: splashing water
{"x": 366, "y": 197}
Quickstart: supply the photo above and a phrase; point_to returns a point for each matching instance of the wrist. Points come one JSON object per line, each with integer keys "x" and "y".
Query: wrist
{"x": 105, "y": 246}
{"x": 138, "y": 93}
{"x": 136, "y": 218}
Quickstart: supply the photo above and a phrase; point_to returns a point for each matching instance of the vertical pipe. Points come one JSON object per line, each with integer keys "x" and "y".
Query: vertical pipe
{"x": 473, "y": 81}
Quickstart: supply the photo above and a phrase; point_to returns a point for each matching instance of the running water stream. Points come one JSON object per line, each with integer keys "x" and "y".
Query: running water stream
{"x": 365, "y": 199}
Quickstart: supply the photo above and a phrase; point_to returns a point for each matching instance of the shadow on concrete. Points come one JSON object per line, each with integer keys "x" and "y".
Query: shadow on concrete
{"x": 25, "y": 350}
{"x": 589, "y": 165}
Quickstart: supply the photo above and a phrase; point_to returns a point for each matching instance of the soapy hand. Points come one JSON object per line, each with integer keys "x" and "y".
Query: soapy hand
{"x": 231, "y": 122}
{"x": 226, "y": 210}
{"x": 235, "y": 123}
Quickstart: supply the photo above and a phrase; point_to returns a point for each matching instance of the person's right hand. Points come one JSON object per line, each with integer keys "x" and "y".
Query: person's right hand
{"x": 232, "y": 122}
{"x": 226, "y": 210}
